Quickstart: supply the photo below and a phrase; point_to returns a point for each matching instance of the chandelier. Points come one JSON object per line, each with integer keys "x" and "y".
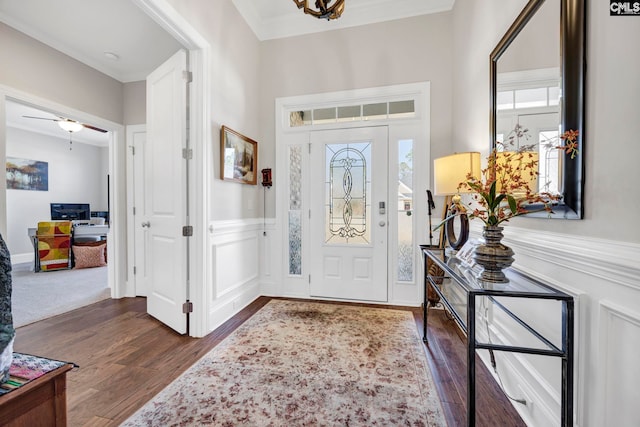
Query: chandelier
{"x": 325, "y": 9}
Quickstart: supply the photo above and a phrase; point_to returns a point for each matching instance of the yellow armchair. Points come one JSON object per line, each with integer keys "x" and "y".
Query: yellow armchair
{"x": 54, "y": 245}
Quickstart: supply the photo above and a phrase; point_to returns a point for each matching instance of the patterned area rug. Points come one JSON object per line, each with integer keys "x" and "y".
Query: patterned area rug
{"x": 306, "y": 364}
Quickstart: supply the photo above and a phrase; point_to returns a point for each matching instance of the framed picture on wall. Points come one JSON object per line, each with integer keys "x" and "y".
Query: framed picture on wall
{"x": 238, "y": 157}
{"x": 25, "y": 174}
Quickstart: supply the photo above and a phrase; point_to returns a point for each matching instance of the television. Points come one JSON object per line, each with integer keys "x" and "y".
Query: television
{"x": 70, "y": 212}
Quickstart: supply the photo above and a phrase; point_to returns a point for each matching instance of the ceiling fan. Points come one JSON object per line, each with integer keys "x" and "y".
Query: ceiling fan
{"x": 68, "y": 125}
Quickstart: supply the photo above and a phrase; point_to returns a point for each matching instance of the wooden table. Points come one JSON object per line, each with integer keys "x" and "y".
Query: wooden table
{"x": 40, "y": 402}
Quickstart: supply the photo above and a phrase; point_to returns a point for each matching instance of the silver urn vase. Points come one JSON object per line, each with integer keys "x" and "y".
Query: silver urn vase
{"x": 493, "y": 256}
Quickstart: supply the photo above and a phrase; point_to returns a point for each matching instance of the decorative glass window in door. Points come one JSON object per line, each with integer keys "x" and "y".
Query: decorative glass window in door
{"x": 348, "y": 193}
{"x": 295, "y": 210}
{"x": 405, "y": 252}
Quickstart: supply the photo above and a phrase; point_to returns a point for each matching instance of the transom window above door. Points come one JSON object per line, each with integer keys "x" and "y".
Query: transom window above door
{"x": 399, "y": 109}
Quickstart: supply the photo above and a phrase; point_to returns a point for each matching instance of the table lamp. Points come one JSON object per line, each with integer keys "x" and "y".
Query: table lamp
{"x": 518, "y": 161}
{"x": 449, "y": 172}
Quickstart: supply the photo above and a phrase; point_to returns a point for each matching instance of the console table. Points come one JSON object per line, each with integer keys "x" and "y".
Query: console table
{"x": 459, "y": 289}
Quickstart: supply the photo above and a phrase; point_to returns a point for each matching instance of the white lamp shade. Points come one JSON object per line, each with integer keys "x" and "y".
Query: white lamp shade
{"x": 517, "y": 163}
{"x": 452, "y": 170}
{"x": 70, "y": 126}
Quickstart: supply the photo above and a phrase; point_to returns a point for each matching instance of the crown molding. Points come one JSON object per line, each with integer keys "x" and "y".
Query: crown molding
{"x": 294, "y": 23}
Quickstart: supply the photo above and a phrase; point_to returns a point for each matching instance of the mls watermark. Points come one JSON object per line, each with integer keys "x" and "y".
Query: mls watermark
{"x": 621, "y": 8}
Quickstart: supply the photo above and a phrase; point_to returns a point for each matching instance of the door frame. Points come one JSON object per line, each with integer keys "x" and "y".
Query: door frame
{"x": 117, "y": 234}
{"x": 132, "y": 241}
{"x": 199, "y": 172}
{"x": 402, "y": 293}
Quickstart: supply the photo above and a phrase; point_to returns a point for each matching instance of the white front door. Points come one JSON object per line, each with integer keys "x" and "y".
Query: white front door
{"x": 165, "y": 193}
{"x": 349, "y": 213}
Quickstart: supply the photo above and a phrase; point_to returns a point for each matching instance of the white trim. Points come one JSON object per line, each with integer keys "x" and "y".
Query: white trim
{"x": 541, "y": 77}
{"x": 199, "y": 174}
{"x": 607, "y": 311}
{"x": 598, "y": 273}
{"x": 293, "y": 22}
{"x": 131, "y": 255}
{"x": 612, "y": 261}
{"x": 398, "y": 293}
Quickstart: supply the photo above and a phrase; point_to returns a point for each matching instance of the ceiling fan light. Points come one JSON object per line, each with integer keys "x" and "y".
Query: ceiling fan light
{"x": 70, "y": 125}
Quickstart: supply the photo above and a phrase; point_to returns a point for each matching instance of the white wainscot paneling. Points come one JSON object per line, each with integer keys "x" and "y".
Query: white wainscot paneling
{"x": 235, "y": 268}
{"x": 236, "y": 263}
{"x": 602, "y": 275}
{"x": 619, "y": 350}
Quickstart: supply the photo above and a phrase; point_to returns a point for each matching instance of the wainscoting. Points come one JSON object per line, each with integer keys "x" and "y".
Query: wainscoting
{"x": 235, "y": 267}
{"x": 603, "y": 277}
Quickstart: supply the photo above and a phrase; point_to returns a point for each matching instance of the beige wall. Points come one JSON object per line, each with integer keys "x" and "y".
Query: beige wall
{"x": 403, "y": 51}
{"x": 135, "y": 103}
{"x": 35, "y": 68}
{"x": 612, "y": 104}
{"x": 235, "y": 83}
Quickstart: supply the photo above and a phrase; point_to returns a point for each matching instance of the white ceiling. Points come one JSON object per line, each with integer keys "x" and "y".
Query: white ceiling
{"x": 15, "y": 112}
{"x": 272, "y": 19}
{"x": 87, "y": 29}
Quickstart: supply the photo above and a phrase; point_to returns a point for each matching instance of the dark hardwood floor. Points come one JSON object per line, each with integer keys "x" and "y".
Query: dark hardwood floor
{"x": 126, "y": 357}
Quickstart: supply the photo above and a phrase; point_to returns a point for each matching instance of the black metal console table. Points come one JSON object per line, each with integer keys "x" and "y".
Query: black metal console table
{"x": 458, "y": 287}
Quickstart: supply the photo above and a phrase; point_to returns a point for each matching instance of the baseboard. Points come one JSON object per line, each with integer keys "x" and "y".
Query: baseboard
{"x": 22, "y": 258}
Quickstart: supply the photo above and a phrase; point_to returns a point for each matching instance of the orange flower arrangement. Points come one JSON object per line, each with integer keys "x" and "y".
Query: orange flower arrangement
{"x": 503, "y": 190}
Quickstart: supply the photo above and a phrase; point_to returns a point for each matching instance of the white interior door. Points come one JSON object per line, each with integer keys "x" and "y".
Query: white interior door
{"x": 348, "y": 217}
{"x": 165, "y": 193}
{"x": 138, "y": 148}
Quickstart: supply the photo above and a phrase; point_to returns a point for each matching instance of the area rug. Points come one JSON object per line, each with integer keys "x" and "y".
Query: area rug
{"x": 306, "y": 364}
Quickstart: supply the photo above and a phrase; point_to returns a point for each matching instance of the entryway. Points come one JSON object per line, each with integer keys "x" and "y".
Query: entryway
{"x": 353, "y": 168}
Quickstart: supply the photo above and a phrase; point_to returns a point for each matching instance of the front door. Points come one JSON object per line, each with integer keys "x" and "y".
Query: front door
{"x": 349, "y": 213}
{"x": 165, "y": 192}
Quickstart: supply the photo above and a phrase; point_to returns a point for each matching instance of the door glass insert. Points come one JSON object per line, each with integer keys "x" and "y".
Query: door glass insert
{"x": 405, "y": 211}
{"x": 348, "y": 193}
{"x": 295, "y": 210}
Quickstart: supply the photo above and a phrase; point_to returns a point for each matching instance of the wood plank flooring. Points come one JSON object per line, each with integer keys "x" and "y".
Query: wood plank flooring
{"x": 126, "y": 357}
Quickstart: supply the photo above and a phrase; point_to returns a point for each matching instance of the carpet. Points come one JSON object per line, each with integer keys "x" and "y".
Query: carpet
{"x": 306, "y": 364}
{"x": 38, "y": 296}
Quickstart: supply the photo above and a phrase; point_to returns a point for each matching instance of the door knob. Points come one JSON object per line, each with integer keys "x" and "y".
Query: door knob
{"x": 146, "y": 224}
{"x": 382, "y": 223}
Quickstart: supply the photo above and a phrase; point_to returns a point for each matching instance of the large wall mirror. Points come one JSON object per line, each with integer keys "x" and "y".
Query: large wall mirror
{"x": 537, "y": 93}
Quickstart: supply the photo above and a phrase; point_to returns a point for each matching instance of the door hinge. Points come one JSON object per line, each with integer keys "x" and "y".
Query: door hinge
{"x": 187, "y": 153}
{"x": 188, "y": 76}
{"x": 309, "y": 147}
{"x": 187, "y": 230}
{"x": 187, "y": 307}
{"x": 134, "y": 210}
{"x": 134, "y": 269}
{"x": 309, "y": 279}
{"x": 133, "y": 150}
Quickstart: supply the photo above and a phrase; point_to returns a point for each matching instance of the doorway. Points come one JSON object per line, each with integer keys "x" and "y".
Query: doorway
{"x": 75, "y": 168}
{"x": 198, "y": 196}
{"x": 349, "y": 232}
